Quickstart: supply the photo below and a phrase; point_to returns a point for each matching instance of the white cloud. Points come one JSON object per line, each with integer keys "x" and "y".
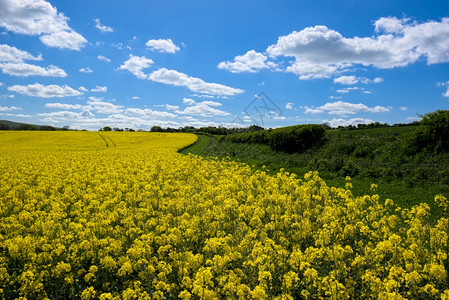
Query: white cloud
{"x": 344, "y": 108}
{"x": 251, "y": 62}
{"x": 102, "y": 107}
{"x": 135, "y": 65}
{"x": 24, "y": 70}
{"x": 44, "y": 91}
{"x": 289, "y": 105}
{"x": 101, "y": 27}
{"x": 85, "y": 70}
{"x": 64, "y": 40}
{"x": 149, "y": 113}
{"x": 171, "y": 107}
{"x": 15, "y": 115}
{"x": 12, "y": 63}
{"x": 188, "y": 101}
{"x": 349, "y": 89}
{"x": 120, "y": 46}
{"x": 12, "y": 54}
{"x": 197, "y": 85}
{"x": 202, "y": 109}
{"x": 103, "y": 58}
{"x": 347, "y": 80}
{"x": 378, "y": 80}
{"x": 446, "y": 94}
{"x": 136, "y": 98}
{"x": 320, "y": 52}
{"x": 61, "y": 114}
{"x": 390, "y": 24}
{"x": 11, "y": 108}
{"x": 98, "y": 89}
{"x": 98, "y": 99}
{"x": 40, "y": 18}
{"x": 403, "y": 108}
{"x": 2, "y": 84}
{"x": 83, "y": 89}
{"x": 63, "y": 106}
{"x": 444, "y": 84}
{"x": 163, "y": 45}
{"x": 345, "y": 122}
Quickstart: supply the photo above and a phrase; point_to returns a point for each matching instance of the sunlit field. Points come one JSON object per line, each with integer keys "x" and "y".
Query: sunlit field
{"x": 123, "y": 215}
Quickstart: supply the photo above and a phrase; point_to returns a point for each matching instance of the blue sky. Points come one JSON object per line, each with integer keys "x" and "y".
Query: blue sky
{"x": 136, "y": 64}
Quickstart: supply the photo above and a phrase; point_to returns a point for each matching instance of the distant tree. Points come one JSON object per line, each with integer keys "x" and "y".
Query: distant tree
{"x": 156, "y": 129}
{"x": 107, "y": 128}
{"x": 47, "y": 128}
{"x": 326, "y": 126}
{"x": 253, "y": 128}
{"x": 432, "y": 135}
{"x": 66, "y": 128}
{"x": 4, "y": 127}
{"x": 25, "y": 127}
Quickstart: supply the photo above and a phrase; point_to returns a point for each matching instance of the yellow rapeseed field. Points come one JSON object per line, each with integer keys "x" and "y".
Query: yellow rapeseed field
{"x": 122, "y": 215}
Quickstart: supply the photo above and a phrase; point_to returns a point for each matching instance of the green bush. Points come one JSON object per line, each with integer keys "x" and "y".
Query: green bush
{"x": 296, "y": 138}
{"x": 432, "y": 135}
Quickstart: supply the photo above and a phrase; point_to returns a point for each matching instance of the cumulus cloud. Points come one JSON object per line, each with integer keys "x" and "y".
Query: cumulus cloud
{"x": 344, "y": 108}
{"x": 102, "y": 89}
{"x": 10, "y": 108}
{"x": 63, "y": 106}
{"x": 320, "y": 52}
{"x": 197, "y": 85}
{"x": 251, "y": 62}
{"x": 203, "y": 109}
{"x": 12, "y": 63}
{"x": 347, "y": 80}
{"x": 103, "y": 58}
{"x": 102, "y": 107}
{"x": 188, "y": 101}
{"x": 135, "y": 65}
{"x": 289, "y": 105}
{"x": 120, "y": 46}
{"x": 345, "y": 122}
{"x": 44, "y": 91}
{"x": 24, "y": 70}
{"x": 101, "y": 27}
{"x": 85, "y": 70}
{"x": 40, "y": 18}
{"x": 162, "y": 45}
{"x": 349, "y": 89}
{"x": 446, "y": 85}
{"x": 350, "y": 80}
{"x": 12, "y": 54}
{"x": 149, "y": 113}
{"x": 171, "y": 107}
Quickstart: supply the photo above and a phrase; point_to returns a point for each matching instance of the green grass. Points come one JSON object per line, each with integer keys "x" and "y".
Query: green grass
{"x": 199, "y": 146}
{"x": 406, "y": 180}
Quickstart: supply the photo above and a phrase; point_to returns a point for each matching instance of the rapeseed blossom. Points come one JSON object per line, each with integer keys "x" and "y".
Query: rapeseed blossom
{"x": 124, "y": 216}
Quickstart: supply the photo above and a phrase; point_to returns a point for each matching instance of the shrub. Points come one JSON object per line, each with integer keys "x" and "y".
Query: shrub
{"x": 432, "y": 135}
{"x": 296, "y": 138}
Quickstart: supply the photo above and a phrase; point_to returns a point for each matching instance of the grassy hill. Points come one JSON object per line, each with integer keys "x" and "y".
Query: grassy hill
{"x": 10, "y": 125}
{"x": 368, "y": 156}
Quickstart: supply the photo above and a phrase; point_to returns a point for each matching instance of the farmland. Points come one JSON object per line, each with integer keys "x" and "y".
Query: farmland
{"x": 123, "y": 215}
{"x": 374, "y": 155}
